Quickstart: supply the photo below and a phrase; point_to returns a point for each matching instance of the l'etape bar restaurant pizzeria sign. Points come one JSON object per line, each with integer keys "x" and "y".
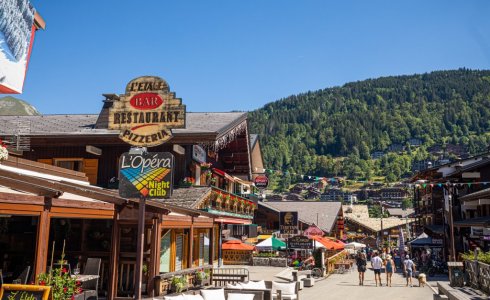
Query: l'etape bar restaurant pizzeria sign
{"x": 146, "y": 112}
{"x": 147, "y": 174}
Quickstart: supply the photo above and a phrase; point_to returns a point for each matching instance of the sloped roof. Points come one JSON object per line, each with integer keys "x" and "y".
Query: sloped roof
{"x": 400, "y": 212}
{"x": 213, "y": 123}
{"x": 188, "y": 197}
{"x": 360, "y": 215}
{"x": 309, "y": 211}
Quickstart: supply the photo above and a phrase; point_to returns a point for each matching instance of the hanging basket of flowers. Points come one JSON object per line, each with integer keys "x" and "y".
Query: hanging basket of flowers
{"x": 4, "y": 153}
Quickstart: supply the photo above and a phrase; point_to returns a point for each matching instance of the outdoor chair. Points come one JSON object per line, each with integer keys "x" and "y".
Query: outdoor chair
{"x": 22, "y": 279}
{"x": 91, "y": 287}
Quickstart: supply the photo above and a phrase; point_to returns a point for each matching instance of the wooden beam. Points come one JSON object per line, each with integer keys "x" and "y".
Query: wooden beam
{"x": 82, "y": 204}
{"x": 154, "y": 268}
{"x": 42, "y": 243}
{"x": 114, "y": 257}
{"x": 39, "y": 190}
{"x": 82, "y": 190}
{"x": 191, "y": 247}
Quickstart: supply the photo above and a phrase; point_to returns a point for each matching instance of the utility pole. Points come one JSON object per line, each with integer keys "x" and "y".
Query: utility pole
{"x": 382, "y": 233}
{"x": 451, "y": 223}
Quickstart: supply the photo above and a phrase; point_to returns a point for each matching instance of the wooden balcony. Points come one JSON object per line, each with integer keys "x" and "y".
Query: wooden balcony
{"x": 227, "y": 204}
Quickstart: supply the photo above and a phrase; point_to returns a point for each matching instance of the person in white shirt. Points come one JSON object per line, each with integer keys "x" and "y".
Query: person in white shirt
{"x": 377, "y": 264}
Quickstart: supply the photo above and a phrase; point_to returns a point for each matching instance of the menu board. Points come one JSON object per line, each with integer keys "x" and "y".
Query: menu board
{"x": 24, "y": 292}
{"x": 179, "y": 246}
{"x": 206, "y": 249}
{"x": 201, "y": 249}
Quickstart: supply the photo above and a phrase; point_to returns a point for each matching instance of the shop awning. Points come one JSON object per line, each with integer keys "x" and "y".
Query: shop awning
{"x": 475, "y": 222}
{"x": 233, "y": 221}
{"x": 328, "y": 243}
{"x": 271, "y": 244}
{"x": 264, "y": 236}
{"x": 223, "y": 174}
{"x": 236, "y": 245}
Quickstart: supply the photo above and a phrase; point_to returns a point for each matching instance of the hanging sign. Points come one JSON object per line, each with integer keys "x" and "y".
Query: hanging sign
{"x": 24, "y": 292}
{"x": 288, "y": 222}
{"x": 261, "y": 182}
{"x": 148, "y": 174}
{"x": 147, "y": 112}
{"x": 300, "y": 242}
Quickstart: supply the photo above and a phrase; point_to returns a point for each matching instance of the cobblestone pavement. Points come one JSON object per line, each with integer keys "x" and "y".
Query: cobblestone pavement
{"x": 346, "y": 286}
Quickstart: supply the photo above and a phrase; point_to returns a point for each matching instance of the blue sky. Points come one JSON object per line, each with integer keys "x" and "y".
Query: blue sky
{"x": 240, "y": 55}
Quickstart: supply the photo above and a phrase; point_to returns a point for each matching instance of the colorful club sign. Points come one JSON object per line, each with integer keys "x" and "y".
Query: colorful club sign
{"x": 147, "y": 112}
{"x": 146, "y": 175}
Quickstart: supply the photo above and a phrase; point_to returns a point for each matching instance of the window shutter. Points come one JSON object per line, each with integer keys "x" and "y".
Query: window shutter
{"x": 90, "y": 168}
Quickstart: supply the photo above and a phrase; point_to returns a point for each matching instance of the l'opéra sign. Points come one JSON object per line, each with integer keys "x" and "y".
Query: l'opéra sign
{"x": 147, "y": 112}
{"x": 149, "y": 174}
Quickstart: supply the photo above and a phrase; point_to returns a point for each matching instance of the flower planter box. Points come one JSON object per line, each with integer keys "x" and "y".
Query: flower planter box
{"x": 278, "y": 262}
{"x": 202, "y": 282}
{"x": 261, "y": 261}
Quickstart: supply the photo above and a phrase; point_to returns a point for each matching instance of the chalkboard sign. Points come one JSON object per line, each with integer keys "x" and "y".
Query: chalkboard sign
{"x": 24, "y": 292}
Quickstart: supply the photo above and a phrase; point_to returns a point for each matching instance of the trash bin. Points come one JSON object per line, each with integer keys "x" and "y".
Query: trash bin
{"x": 456, "y": 278}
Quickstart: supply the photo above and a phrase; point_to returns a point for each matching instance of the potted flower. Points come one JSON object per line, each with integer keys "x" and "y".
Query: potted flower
{"x": 63, "y": 286}
{"x": 187, "y": 182}
{"x": 178, "y": 284}
{"x": 202, "y": 278}
{"x": 205, "y": 166}
{"x": 4, "y": 154}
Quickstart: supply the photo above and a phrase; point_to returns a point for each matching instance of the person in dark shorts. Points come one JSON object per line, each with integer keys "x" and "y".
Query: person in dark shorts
{"x": 361, "y": 263}
{"x": 377, "y": 264}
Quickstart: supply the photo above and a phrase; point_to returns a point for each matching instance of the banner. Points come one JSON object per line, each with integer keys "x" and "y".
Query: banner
{"x": 300, "y": 242}
{"x": 288, "y": 222}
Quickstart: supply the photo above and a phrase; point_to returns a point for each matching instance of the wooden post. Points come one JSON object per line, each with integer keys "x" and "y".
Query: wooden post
{"x": 42, "y": 244}
{"x": 140, "y": 248}
{"x": 154, "y": 268}
{"x": 211, "y": 246}
{"x": 191, "y": 245}
{"x": 114, "y": 256}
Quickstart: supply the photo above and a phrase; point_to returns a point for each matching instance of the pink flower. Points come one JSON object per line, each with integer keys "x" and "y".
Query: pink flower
{"x": 64, "y": 270}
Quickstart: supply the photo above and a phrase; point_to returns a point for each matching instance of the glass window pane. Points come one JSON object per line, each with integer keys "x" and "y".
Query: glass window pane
{"x": 165, "y": 253}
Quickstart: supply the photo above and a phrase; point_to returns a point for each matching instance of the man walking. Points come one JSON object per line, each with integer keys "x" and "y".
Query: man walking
{"x": 409, "y": 269}
{"x": 377, "y": 263}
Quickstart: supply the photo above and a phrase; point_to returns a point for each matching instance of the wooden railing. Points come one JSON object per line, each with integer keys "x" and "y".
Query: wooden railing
{"x": 222, "y": 276}
{"x": 223, "y": 202}
{"x": 331, "y": 261}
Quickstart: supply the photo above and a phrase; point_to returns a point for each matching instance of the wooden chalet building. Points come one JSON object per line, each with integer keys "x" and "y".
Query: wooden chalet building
{"x": 455, "y": 193}
{"x": 61, "y": 185}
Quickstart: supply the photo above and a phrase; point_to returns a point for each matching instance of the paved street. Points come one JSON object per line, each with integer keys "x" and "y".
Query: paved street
{"x": 340, "y": 286}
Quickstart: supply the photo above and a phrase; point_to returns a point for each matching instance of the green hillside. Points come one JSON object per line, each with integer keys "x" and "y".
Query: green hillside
{"x": 10, "y": 106}
{"x": 335, "y": 130}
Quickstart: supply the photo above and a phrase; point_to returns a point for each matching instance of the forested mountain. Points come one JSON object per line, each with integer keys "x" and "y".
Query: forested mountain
{"x": 333, "y": 131}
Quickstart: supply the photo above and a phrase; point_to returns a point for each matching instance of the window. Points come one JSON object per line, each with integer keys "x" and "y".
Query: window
{"x": 165, "y": 252}
{"x": 179, "y": 251}
{"x": 75, "y": 164}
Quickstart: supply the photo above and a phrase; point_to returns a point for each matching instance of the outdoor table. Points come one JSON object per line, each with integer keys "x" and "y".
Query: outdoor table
{"x": 83, "y": 278}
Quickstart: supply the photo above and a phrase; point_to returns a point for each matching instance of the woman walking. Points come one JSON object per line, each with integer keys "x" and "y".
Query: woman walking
{"x": 361, "y": 263}
{"x": 390, "y": 269}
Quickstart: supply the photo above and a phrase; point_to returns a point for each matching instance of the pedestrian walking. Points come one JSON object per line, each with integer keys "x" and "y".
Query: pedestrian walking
{"x": 409, "y": 269}
{"x": 377, "y": 264}
{"x": 390, "y": 268}
{"x": 361, "y": 263}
